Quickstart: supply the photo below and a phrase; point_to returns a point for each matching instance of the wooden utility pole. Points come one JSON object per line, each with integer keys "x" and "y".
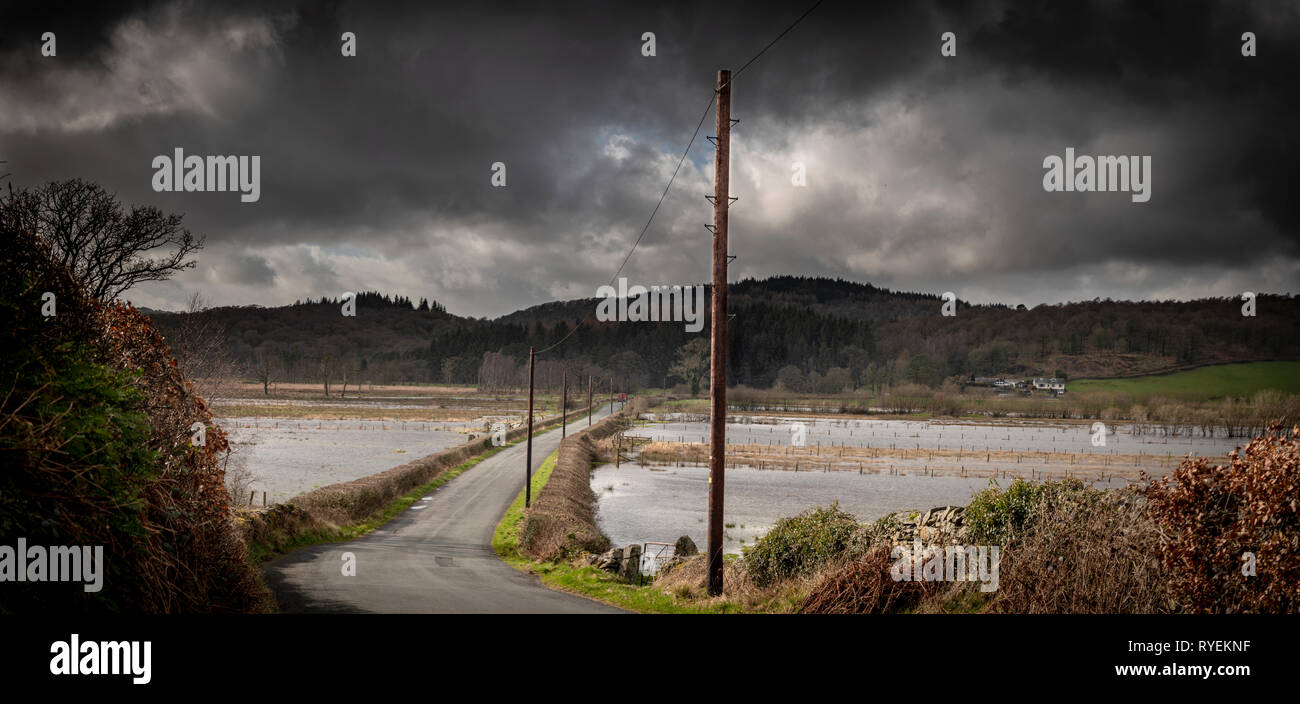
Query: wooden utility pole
{"x": 564, "y": 405}
{"x": 528, "y": 456}
{"x": 588, "y": 400}
{"x": 718, "y": 331}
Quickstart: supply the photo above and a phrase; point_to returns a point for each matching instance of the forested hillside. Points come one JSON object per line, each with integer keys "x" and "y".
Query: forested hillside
{"x": 809, "y": 333}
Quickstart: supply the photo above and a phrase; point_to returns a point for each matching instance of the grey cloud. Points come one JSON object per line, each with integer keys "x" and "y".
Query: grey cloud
{"x": 923, "y": 172}
{"x": 248, "y": 269}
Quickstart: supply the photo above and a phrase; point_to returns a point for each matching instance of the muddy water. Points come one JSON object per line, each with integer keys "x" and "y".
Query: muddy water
{"x": 638, "y": 504}
{"x": 288, "y": 457}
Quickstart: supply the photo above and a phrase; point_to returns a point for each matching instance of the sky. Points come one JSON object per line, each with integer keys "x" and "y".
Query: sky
{"x": 923, "y": 172}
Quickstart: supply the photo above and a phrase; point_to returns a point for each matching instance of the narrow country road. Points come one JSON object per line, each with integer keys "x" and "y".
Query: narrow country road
{"x": 436, "y": 557}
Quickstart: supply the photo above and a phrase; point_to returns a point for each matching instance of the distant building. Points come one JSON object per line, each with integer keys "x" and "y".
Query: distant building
{"x": 1052, "y": 384}
{"x": 999, "y": 383}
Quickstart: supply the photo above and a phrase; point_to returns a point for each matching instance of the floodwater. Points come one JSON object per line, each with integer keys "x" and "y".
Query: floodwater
{"x": 637, "y": 504}
{"x": 288, "y": 457}
{"x": 381, "y": 403}
{"x": 660, "y": 502}
{"x": 1015, "y": 436}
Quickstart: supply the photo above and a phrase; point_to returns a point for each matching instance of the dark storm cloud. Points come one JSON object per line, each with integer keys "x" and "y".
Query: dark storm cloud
{"x": 923, "y": 172}
{"x": 84, "y": 27}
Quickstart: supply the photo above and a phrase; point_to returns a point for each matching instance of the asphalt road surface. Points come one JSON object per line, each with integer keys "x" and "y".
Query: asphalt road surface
{"x": 436, "y": 557}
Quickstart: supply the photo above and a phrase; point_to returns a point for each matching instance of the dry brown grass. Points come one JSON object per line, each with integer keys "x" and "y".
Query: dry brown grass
{"x": 1095, "y": 555}
{"x": 688, "y": 581}
{"x": 1092, "y": 552}
{"x": 866, "y": 586}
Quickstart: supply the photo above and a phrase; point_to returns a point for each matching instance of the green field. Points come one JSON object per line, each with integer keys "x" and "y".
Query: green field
{"x": 1214, "y": 382}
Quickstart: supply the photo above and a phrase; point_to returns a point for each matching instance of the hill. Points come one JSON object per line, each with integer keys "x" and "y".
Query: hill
{"x": 814, "y": 333}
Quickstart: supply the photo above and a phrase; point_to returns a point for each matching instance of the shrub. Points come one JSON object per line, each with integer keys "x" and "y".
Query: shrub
{"x": 71, "y": 432}
{"x": 995, "y": 516}
{"x": 96, "y": 432}
{"x": 1211, "y": 515}
{"x": 76, "y": 468}
{"x": 799, "y": 545}
{"x": 1096, "y": 552}
{"x": 867, "y": 537}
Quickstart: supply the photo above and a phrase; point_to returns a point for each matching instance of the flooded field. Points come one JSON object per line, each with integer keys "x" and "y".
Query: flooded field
{"x": 386, "y": 402}
{"x": 287, "y": 456}
{"x": 779, "y": 466}
{"x": 1025, "y": 436}
{"x": 1032, "y": 449}
{"x": 637, "y": 503}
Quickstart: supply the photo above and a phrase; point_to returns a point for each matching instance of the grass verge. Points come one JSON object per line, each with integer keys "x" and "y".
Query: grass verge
{"x": 585, "y": 581}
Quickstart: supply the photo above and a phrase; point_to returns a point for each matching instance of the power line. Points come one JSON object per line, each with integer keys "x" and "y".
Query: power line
{"x": 670, "y": 185}
{"x": 687, "y": 151}
{"x": 770, "y": 44}
{"x": 644, "y": 230}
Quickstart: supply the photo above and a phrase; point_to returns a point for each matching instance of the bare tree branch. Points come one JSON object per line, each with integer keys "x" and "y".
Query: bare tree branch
{"x": 105, "y": 246}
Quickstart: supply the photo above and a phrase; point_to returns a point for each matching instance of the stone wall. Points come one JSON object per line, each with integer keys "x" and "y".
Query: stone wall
{"x": 944, "y": 525}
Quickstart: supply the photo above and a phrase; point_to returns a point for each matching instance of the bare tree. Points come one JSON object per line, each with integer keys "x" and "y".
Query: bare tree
{"x": 202, "y": 352}
{"x": 326, "y": 369}
{"x": 264, "y": 369}
{"x": 497, "y": 372}
{"x": 344, "y": 367}
{"x": 239, "y": 478}
{"x": 105, "y": 246}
